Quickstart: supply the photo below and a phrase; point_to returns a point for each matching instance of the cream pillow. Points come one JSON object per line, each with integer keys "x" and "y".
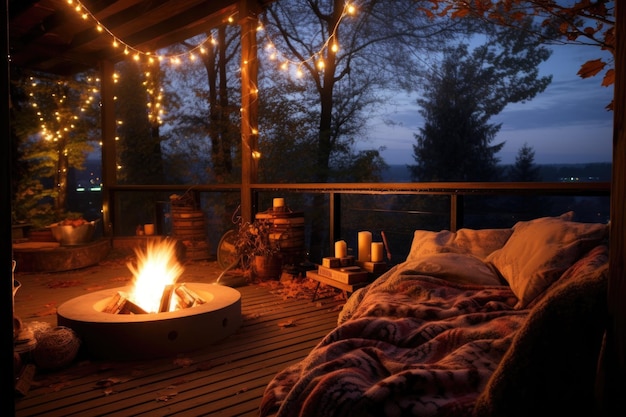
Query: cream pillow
{"x": 540, "y": 250}
{"x": 426, "y": 242}
{"x": 477, "y": 242}
{"x": 455, "y": 267}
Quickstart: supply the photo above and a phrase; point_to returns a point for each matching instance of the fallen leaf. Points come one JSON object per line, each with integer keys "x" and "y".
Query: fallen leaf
{"x": 180, "y": 381}
{"x": 184, "y": 362}
{"x": 107, "y": 382}
{"x": 166, "y": 395}
{"x": 287, "y": 323}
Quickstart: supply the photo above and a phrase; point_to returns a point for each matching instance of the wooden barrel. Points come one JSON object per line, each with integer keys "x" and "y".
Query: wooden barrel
{"x": 189, "y": 227}
{"x": 287, "y": 227}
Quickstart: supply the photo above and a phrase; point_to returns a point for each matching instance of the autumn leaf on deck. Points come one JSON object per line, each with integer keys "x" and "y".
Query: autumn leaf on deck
{"x": 591, "y": 68}
{"x": 107, "y": 382}
{"x": 183, "y": 362}
{"x": 166, "y": 395}
{"x": 287, "y": 323}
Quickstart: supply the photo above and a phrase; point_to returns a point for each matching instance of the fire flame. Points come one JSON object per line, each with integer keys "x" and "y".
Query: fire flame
{"x": 157, "y": 267}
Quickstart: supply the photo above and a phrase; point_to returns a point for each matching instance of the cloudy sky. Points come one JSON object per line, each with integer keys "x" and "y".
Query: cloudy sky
{"x": 567, "y": 123}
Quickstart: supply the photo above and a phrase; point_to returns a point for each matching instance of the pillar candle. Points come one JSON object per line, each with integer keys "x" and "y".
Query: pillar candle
{"x": 377, "y": 251}
{"x": 365, "y": 246}
{"x": 341, "y": 249}
{"x": 148, "y": 229}
{"x": 278, "y": 203}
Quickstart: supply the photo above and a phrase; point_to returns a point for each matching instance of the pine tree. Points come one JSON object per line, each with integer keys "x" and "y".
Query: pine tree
{"x": 525, "y": 168}
{"x": 460, "y": 97}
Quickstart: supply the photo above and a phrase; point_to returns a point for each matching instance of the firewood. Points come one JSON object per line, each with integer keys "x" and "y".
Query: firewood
{"x": 188, "y": 297}
{"x": 115, "y": 303}
{"x": 166, "y": 298}
{"x": 130, "y": 307}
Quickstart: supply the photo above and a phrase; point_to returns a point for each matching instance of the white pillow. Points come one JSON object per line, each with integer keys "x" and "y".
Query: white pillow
{"x": 455, "y": 267}
{"x": 477, "y": 242}
{"x": 540, "y": 250}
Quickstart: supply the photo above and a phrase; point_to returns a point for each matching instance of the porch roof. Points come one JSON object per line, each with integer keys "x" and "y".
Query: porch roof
{"x": 51, "y": 36}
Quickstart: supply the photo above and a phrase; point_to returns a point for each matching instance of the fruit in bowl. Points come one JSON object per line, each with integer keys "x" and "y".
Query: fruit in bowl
{"x": 71, "y": 232}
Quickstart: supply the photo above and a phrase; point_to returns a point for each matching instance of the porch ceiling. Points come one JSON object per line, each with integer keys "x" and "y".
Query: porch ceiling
{"x": 49, "y": 36}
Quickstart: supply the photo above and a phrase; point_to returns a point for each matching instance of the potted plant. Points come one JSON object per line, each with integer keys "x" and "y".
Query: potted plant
{"x": 259, "y": 249}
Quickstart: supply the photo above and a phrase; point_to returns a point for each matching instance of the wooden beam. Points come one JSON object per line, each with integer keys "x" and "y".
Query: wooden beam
{"x": 613, "y": 365}
{"x": 6, "y": 309}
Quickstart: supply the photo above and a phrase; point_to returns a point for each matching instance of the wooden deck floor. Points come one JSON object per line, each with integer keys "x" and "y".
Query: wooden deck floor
{"x": 225, "y": 379}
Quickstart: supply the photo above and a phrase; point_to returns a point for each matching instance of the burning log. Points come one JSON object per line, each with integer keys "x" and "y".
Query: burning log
{"x": 187, "y": 297}
{"x": 120, "y": 304}
{"x": 166, "y": 299}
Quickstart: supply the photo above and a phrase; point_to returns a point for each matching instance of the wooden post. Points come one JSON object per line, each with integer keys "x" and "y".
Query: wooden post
{"x": 6, "y": 311}
{"x": 108, "y": 151}
{"x": 248, "y": 21}
{"x": 613, "y": 366}
{"x": 614, "y": 358}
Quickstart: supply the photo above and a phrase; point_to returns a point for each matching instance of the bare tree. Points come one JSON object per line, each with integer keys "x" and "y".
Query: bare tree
{"x": 349, "y": 58}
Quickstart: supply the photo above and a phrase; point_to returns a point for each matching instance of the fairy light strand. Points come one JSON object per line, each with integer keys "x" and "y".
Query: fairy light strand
{"x": 200, "y": 48}
{"x": 134, "y": 52}
{"x": 316, "y": 59}
{"x": 176, "y": 59}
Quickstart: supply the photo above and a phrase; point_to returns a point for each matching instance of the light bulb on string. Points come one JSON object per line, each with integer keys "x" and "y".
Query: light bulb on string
{"x": 128, "y": 49}
{"x": 329, "y": 44}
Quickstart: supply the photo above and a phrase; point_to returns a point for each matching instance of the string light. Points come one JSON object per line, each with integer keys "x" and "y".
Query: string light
{"x": 330, "y": 44}
{"x": 136, "y": 53}
{"x": 154, "y": 104}
{"x": 176, "y": 59}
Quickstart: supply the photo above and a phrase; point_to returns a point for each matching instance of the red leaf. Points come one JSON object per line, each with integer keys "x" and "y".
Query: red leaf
{"x": 609, "y": 78}
{"x": 591, "y": 68}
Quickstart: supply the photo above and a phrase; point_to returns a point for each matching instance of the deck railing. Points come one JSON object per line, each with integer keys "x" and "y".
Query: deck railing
{"x": 338, "y": 199}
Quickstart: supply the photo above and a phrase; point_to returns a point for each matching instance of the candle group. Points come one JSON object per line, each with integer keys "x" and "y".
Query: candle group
{"x": 367, "y": 251}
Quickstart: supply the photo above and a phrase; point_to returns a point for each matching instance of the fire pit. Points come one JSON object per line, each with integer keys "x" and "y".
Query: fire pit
{"x": 113, "y": 324}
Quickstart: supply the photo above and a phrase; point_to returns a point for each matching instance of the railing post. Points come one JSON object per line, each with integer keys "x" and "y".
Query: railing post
{"x": 108, "y": 152}
{"x": 456, "y": 212}
{"x": 334, "y": 206}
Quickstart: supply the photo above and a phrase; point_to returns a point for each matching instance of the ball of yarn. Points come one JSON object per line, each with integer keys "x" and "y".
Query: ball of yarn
{"x": 56, "y": 348}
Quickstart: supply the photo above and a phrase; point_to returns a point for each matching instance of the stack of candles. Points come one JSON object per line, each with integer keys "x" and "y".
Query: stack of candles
{"x": 368, "y": 251}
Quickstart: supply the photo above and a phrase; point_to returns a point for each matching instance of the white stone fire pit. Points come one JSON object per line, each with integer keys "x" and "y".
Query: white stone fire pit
{"x": 141, "y": 336}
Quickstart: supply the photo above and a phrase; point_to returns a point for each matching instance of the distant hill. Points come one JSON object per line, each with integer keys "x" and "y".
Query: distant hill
{"x": 549, "y": 172}
{"x": 397, "y": 173}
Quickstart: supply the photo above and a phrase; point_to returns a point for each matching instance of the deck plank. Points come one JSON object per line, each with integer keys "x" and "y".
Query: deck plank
{"x": 227, "y": 378}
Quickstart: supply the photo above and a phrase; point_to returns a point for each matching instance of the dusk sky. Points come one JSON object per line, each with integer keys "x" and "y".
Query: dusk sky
{"x": 567, "y": 123}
